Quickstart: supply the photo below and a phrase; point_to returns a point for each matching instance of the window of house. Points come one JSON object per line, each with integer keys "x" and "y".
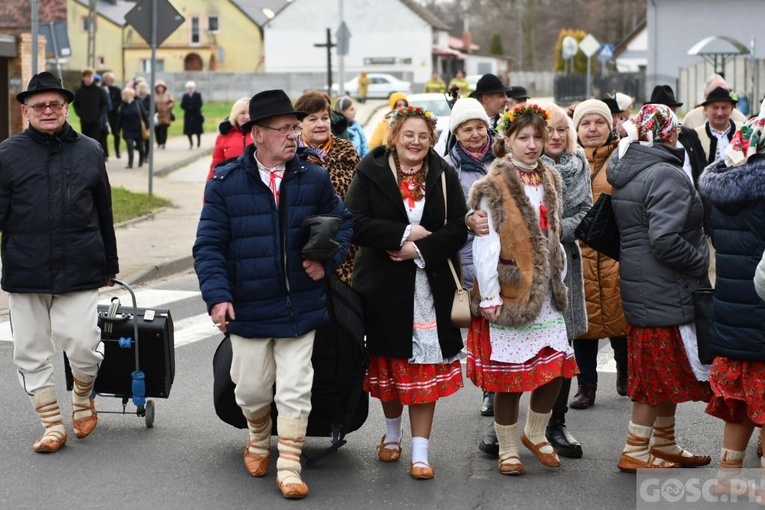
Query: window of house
{"x": 85, "y": 23}
{"x": 146, "y": 65}
{"x": 213, "y": 24}
{"x": 100, "y": 61}
{"x": 195, "y": 36}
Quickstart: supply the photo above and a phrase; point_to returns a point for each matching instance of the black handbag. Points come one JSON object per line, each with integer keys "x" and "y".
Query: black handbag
{"x": 598, "y": 228}
{"x": 702, "y": 308}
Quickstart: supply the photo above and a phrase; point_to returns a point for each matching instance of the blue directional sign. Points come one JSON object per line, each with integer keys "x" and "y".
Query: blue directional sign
{"x": 606, "y": 52}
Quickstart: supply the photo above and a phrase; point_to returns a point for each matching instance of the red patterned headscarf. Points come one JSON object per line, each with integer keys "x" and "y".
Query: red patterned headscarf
{"x": 653, "y": 123}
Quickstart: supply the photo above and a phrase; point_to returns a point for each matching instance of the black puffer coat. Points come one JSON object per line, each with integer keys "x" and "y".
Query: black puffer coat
{"x": 55, "y": 213}
{"x": 737, "y": 197}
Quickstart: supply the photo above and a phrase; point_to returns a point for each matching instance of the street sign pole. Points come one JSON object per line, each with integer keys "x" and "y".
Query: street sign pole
{"x": 340, "y": 58}
{"x": 152, "y": 101}
{"x": 589, "y": 45}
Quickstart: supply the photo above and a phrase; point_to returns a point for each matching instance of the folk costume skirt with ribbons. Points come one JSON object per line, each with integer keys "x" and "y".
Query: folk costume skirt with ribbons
{"x": 426, "y": 376}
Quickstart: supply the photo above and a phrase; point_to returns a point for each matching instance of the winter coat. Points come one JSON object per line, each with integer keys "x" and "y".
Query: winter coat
{"x": 163, "y": 102}
{"x": 193, "y": 119}
{"x": 387, "y": 287}
{"x": 577, "y": 200}
{"x": 530, "y": 260}
{"x": 359, "y": 138}
{"x": 248, "y": 250}
{"x": 469, "y": 171}
{"x": 55, "y": 213}
{"x": 663, "y": 254}
{"x": 115, "y": 100}
{"x": 90, "y": 103}
{"x": 230, "y": 143}
{"x": 737, "y": 197}
{"x": 130, "y": 116}
{"x": 605, "y": 316}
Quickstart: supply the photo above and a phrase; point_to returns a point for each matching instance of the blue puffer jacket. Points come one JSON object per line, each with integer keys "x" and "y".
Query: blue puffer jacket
{"x": 737, "y": 197}
{"x": 247, "y": 251}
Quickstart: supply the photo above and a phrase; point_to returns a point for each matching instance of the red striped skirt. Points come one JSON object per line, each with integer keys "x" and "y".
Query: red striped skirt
{"x": 490, "y": 375}
{"x": 739, "y": 391}
{"x": 658, "y": 368}
{"x": 397, "y": 379}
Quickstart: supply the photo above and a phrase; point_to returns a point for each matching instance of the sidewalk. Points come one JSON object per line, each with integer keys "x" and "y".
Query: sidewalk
{"x": 159, "y": 245}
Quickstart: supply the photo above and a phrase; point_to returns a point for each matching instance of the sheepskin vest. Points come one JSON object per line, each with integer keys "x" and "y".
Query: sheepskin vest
{"x": 529, "y": 259}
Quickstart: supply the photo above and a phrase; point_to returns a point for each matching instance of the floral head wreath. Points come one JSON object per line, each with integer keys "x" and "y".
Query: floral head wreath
{"x": 524, "y": 109}
{"x": 414, "y": 111}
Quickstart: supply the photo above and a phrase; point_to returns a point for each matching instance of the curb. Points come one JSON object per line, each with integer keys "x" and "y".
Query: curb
{"x": 161, "y": 172}
{"x": 162, "y": 270}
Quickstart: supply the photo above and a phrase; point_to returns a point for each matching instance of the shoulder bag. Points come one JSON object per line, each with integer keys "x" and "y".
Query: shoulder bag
{"x": 461, "y": 303}
{"x": 598, "y": 228}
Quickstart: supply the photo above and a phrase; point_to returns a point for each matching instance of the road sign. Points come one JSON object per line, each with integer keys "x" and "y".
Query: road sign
{"x": 589, "y": 45}
{"x": 569, "y": 47}
{"x": 168, "y": 20}
{"x": 343, "y": 36}
{"x": 606, "y": 52}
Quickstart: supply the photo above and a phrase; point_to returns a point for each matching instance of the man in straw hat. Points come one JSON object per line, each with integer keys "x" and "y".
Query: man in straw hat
{"x": 259, "y": 288}
{"x": 58, "y": 248}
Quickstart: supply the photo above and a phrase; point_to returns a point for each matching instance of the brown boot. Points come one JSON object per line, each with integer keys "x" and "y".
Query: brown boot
{"x": 585, "y": 396}
{"x": 46, "y": 405}
{"x": 84, "y": 415}
{"x": 621, "y": 379}
{"x": 257, "y": 453}
{"x": 288, "y": 468}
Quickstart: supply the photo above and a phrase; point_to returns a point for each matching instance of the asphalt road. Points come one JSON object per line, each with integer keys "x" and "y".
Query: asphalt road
{"x": 190, "y": 459}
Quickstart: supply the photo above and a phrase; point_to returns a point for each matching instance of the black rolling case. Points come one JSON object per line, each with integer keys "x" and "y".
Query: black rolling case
{"x": 156, "y": 350}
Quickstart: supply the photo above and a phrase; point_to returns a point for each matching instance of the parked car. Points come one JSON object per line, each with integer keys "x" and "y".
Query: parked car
{"x": 381, "y": 86}
{"x": 437, "y": 105}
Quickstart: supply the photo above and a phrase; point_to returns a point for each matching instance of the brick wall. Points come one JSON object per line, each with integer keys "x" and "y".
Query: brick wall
{"x": 20, "y": 74}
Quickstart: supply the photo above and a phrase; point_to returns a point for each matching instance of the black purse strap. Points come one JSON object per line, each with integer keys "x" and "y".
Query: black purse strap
{"x": 598, "y": 169}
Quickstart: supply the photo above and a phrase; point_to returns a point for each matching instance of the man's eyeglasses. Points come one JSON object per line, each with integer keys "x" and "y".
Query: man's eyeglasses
{"x": 41, "y": 107}
{"x": 285, "y": 130}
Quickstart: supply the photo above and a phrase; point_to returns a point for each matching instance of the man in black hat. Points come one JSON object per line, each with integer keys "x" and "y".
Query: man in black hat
{"x": 492, "y": 95}
{"x": 91, "y": 104}
{"x": 687, "y": 139}
{"x": 517, "y": 95}
{"x": 718, "y": 130}
{"x": 259, "y": 288}
{"x": 58, "y": 248}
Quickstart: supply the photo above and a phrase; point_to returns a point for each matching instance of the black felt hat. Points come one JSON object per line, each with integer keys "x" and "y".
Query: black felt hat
{"x": 488, "y": 84}
{"x": 44, "y": 82}
{"x": 270, "y": 103}
{"x": 663, "y": 94}
{"x": 518, "y": 92}
{"x": 719, "y": 94}
{"x": 613, "y": 106}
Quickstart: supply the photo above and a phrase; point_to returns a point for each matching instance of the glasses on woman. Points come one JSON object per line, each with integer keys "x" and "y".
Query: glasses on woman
{"x": 55, "y": 106}
{"x": 411, "y": 137}
{"x": 560, "y": 130}
{"x": 285, "y": 130}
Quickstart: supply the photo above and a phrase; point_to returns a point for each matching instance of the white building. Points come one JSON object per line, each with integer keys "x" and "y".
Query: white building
{"x": 631, "y": 55}
{"x": 387, "y": 36}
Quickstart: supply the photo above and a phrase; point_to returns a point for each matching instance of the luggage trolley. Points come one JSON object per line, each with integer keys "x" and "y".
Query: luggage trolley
{"x": 139, "y": 355}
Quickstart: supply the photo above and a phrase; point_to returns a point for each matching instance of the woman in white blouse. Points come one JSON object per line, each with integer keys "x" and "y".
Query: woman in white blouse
{"x": 517, "y": 341}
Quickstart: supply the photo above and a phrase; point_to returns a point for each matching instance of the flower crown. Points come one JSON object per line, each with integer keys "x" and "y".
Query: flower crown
{"x": 524, "y": 109}
{"x": 414, "y": 111}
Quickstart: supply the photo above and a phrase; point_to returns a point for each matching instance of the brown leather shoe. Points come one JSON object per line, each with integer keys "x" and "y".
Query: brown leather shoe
{"x": 585, "y": 396}
{"x": 293, "y": 490}
{"x": 629, "y": 464}
{"x": 548, "y": 459}
{"x": 511, "y": 466}
{"x": 421, "y": 471}
{"x": 388, "y": 454}
{"x": 256, "y": 465}
{"x": 84, "y": 426}
{"x": 51, "y": 442}
{"x": 686, "y": 462}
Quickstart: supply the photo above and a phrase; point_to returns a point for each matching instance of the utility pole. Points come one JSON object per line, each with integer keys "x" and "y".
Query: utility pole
{"x": 35, "y": 28}
{"x": 340, "y": 58}
{"x": 92, "y": 34}
{"x": 329, "y": 45}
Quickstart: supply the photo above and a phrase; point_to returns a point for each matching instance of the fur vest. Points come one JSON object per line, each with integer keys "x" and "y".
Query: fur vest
{"x": 529, "y": 260}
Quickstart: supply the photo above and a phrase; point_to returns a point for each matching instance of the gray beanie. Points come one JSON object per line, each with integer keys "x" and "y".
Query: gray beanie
{"x": 592, "y": 106}
{"x": 466, "y": 109}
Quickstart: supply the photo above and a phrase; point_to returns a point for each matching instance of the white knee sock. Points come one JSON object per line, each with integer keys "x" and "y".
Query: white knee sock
{"x": 393, "y": 431}
{"x": 420, "y": 449}
{"x": 536, "y": 424}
